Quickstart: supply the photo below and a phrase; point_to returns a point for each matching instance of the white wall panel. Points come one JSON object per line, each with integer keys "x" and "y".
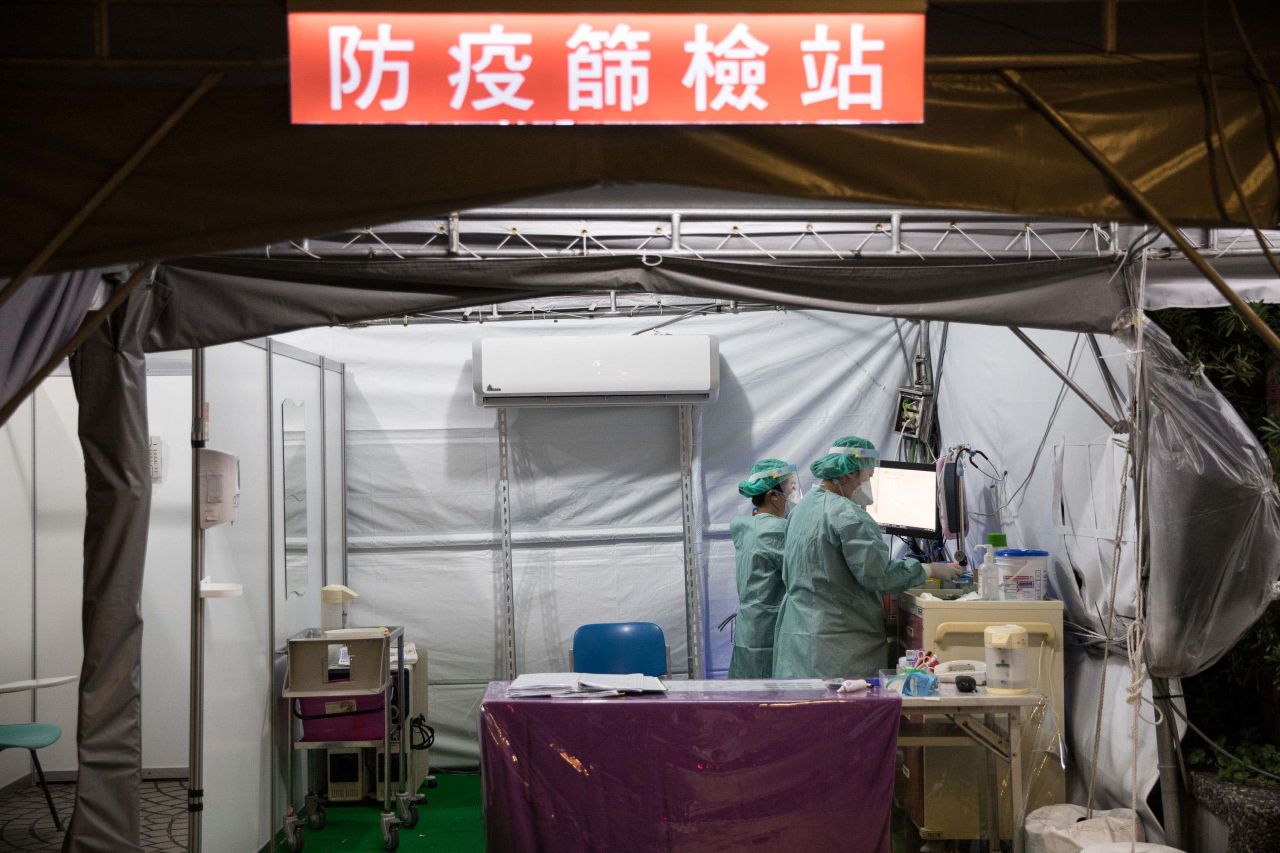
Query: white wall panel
{"x": 238, "y": 681}
{"x": 334, "y": 481}
{"x": 166, "y": 588}
{"x": 60, "y": 495}
{"x": 17, "y": 576}
{"x": 60, "y": 513}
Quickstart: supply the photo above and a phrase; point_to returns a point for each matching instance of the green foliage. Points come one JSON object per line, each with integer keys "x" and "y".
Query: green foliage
{"x": 1250, "y": 750}
{"x": 1240, "y": 695}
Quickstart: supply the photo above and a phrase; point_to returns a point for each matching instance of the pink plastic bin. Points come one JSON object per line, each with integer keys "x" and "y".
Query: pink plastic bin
{"x": 330, "y": 726}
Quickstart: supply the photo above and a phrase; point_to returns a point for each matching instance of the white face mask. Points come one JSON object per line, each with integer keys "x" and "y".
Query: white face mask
{"x": 862, "y": 495}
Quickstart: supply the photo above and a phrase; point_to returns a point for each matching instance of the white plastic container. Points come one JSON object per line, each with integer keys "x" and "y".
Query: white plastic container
{"x": 1023, "y": 574}
{"x": 1008, "y": 664}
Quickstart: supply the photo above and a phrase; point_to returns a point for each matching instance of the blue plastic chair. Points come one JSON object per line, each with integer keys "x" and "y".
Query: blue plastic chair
{"x": 621, "y": 648}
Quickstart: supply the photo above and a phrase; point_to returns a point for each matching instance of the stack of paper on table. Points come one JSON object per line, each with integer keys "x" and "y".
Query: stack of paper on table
{"x": 582, "y": 684}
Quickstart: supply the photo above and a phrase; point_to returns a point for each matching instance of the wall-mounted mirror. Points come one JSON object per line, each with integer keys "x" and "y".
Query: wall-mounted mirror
{"x": 293, "y": 418}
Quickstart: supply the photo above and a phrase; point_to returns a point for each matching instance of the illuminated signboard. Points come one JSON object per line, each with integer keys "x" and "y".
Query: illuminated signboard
{"x": 429, "y": 68}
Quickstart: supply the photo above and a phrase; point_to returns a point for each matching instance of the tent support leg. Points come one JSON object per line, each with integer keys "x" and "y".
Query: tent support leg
{"x": 1142, "y": 203}
{"x": 692, "y": 583}
{"x": 1107, "y": 417}
{"x": 90, "y": 325}
{"x": 1113, "y": 390}
{"x": 1167, "y": 762}
{"x": 195, "y": 732}
{"x": 117, "y": 178}
{"x": 508, "y": 570}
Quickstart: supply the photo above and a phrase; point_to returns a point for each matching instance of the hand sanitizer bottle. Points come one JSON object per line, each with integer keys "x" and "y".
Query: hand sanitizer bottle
{"x": 989, "y": 576}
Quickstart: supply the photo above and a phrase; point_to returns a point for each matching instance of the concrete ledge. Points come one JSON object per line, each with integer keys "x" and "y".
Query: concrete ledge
{"x": 1251, "y": 812}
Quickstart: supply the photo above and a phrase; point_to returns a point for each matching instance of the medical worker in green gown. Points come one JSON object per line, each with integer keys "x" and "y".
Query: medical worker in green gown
{"x": 836, "y": 568}
{"x": 757, "y": 543}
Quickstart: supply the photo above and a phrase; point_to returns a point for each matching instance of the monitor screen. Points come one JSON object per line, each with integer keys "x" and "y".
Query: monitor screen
{"x": 906, "y": 499}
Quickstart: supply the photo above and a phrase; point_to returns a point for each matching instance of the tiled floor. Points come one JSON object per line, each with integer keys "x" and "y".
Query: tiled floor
{"x": 25, "y": 823}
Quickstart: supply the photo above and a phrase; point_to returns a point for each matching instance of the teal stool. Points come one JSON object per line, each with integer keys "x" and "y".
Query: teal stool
{"x": 34, "y": 736}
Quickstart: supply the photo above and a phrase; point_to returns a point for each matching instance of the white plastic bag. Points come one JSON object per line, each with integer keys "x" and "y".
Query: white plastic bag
{"x": 1062, "y": 829}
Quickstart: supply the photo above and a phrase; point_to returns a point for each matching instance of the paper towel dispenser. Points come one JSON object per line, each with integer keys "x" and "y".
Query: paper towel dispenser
{"x": 219, "y": 475}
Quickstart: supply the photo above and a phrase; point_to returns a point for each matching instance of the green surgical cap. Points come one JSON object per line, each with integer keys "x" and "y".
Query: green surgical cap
{"x": 774, "y": 473}
{"x": 833, "y": 466}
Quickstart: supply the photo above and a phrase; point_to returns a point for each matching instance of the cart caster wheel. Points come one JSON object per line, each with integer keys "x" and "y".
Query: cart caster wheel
{"x": 431, "y": 782}
{"x": 410, "y": 819}
{"x": 316, "y": 820}
{"x": 393, "y": 838}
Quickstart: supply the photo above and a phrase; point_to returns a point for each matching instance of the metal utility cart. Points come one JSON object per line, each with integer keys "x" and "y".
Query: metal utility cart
{"x": 320, "y": 669}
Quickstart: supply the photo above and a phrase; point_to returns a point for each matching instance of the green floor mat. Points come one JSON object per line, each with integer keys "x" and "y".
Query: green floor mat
{"x": 450, "y": 821}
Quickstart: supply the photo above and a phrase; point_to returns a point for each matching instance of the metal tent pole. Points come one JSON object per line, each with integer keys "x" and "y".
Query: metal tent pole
{"x": 1166, "y": 746}
{"x": 1129, "y": 191}
{"x": 508, "y": 570}
{"x": 1097, "y": 407}
{"x": 692, "y": 582}
{"x": 1113, "y": 390}
{"x": 195, "y": 737}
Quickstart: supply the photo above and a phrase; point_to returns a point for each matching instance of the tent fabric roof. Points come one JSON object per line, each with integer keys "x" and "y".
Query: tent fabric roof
{"x": 234, "y": 172}
{"x": 207, "y": 301}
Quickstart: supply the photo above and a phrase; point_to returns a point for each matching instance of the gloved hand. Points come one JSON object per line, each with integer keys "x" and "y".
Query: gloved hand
{"x": 943, "y": 571}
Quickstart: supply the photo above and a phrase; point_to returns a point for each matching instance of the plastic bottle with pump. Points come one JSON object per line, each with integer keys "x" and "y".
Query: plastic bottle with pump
{"x": 989, "y": 578}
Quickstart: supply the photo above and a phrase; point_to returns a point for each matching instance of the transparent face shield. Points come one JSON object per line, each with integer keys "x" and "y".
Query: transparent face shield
{"x": 860, "y": 486}
{"x": 791, "y": 489}
{"x": 790, "y": 485}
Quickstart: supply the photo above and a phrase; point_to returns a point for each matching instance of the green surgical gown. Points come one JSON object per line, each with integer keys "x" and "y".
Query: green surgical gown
{"x": 757, "y": 545}
{"x": 836, "y": 567}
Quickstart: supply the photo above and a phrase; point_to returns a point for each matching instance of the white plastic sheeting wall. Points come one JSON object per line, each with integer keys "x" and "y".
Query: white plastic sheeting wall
{"x": 998, "y": 398}
{"x": 596, "y": 509}
{"x": 596, "y": 501}
{"x": 17, "y": 571}
{"x": 60, "y": 513}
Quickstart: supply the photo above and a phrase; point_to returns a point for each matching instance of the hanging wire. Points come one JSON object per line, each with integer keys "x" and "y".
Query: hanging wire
{"x": 1215, "y": 113}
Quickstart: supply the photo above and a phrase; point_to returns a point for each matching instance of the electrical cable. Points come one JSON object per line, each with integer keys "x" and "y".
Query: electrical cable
{"x": 422, "y": 736}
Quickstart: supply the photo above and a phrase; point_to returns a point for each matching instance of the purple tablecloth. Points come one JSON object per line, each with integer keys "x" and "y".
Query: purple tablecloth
{"x": 794, "y": 770}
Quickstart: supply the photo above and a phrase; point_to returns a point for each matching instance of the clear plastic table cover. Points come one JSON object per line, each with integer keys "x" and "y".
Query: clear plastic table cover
{"x": 690, "y": 770}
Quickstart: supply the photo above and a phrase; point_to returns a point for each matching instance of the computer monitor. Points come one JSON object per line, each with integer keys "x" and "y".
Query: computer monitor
{"x": 906, "y": 499}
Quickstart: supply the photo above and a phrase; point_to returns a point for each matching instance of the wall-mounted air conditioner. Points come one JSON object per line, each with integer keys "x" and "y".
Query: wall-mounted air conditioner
{"x": 617, "y": 370}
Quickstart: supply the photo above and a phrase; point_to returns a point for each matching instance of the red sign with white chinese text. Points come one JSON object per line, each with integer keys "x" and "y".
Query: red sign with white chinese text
{"x": 360, "y": 68}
